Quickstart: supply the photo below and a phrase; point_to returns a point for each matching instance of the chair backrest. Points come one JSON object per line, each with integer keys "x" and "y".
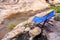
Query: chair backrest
{"x": 38, "y": 19}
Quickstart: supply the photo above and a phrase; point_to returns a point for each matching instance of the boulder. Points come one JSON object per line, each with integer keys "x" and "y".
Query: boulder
{"x": 54, "y": 1}
{"x": 54, "y": 36}
{"x": 21, "y": 29}
{"x": 13, "y": 33}
{"x": 13, "y": 6}
{"x": 34, "y": 32}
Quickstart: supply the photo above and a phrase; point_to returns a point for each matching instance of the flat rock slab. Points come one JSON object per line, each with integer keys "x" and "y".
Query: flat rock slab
{"x": 9, "y": 7}
{"x": 55, "y": 35}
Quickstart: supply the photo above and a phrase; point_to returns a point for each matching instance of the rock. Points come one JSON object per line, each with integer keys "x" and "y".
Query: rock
{"x": 13, "y": 33}
{"x": 13, "y": 6}
{"x": 35, "y": 31}
{"x": 1, "y": 20}
{"x": 1, "y": 0}
{"x": 27, "y": 29}
{"x": 21, "y": 29}
{"x": 54, "y": 36}
{"x": 54, "y": 1}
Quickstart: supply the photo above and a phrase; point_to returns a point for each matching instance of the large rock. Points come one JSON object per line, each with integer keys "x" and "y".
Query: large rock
{"x": 20, "y": 29}
{"x": 35, "y": 31}
{"x": 54, "y": 1}
{"x": 8, "y": 7}
{"x": 13, "y": 33}
{"x": 54, "y": 36}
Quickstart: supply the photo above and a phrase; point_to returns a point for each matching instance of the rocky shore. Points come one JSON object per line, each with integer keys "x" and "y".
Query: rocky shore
{"x": 7, "y": 9}
{"x": 12, "y": 7}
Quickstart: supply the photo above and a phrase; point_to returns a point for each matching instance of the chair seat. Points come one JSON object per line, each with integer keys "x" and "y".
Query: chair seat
{"x": 38, "y": 19}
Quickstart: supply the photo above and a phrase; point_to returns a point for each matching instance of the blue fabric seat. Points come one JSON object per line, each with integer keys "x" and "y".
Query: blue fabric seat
{"x": 37, "y": 19}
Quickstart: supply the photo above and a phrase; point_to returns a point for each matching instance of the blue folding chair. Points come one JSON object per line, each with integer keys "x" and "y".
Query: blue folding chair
{"x": 43, "y": 19}
{"x": 37, "y": 19}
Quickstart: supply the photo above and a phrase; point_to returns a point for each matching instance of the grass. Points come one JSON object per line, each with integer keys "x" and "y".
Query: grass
{"x": 25, "y": 24}
{"x": 11, "y": 25}
{"x": 57, "y": 8}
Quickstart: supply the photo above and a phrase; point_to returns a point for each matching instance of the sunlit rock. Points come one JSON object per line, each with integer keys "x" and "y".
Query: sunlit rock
{"x": 27, "y": 29}
{"x": 8, "y": 7}
{"x": 35, "y": 31}
{"x": 54, "y": 1}
{"x": 13, "y": 33}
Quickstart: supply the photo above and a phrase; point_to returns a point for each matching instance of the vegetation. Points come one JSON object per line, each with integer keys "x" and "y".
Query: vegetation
{"x": 57, "y": 8}
{"x": 25, "y": 24}
{"x": 11, "y": 25}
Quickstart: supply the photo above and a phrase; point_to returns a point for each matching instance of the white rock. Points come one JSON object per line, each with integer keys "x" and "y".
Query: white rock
{"x": 13, "y": 33}
{"x": 27, "y": 29}
{"x": 20, "y": 6}
{"x": 35, "y": 31}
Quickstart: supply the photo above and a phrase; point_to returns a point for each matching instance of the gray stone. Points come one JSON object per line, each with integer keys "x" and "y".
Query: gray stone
{"x": 54, "y": 36}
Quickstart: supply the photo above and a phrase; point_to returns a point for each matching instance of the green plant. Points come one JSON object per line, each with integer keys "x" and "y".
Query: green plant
{"x": 11, "y": 25}
{"x": 57, "y": 8}
{"x": 52, "y": 7}
{"x": 25, "y": 24}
